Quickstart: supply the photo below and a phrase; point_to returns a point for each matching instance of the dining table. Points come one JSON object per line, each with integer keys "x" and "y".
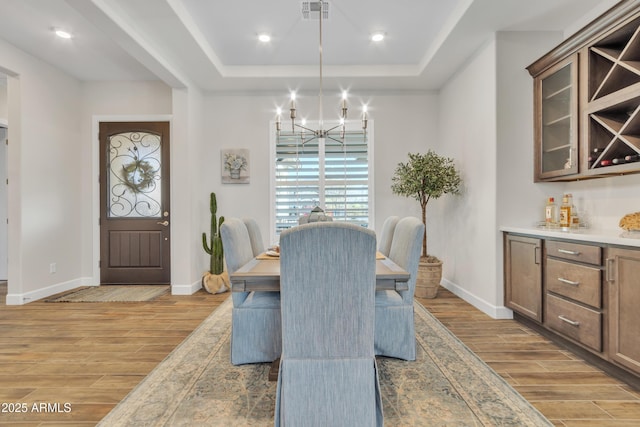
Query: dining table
{"x": 262, "y": 273}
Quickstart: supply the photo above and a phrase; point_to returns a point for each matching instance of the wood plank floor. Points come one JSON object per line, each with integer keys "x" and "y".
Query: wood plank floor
{"x": 90, "y": 355}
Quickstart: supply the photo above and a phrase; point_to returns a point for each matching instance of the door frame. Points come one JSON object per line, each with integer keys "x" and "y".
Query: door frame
{"x": 95, "y": 184}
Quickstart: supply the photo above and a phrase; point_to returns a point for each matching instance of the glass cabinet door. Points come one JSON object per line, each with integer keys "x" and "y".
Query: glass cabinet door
{"x": 556, "y": 121}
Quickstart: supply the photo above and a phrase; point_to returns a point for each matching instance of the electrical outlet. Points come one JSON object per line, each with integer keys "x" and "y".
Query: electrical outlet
{"x": 52, "y": 267}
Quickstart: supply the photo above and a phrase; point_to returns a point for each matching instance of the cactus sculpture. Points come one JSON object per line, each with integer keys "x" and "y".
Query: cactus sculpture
{"x": 214, "y": 246}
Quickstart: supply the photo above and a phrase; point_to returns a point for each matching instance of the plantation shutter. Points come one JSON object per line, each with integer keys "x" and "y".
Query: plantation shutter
{"x": 321, "y": 173}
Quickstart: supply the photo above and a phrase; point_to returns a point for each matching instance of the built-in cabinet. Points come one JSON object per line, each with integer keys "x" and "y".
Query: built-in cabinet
{"x": 523, "y": 275}
{"x": 587, "y": 293}
{"x": 587, "y": 100}
{"x": 623, "y": 282}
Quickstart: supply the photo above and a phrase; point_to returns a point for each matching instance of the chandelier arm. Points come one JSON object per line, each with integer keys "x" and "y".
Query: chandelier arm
{"x": 333, "y": 128}
{"x": 305, "y": 128}
{"x": 334, "y": 139}
{"x": 311, "y": 138}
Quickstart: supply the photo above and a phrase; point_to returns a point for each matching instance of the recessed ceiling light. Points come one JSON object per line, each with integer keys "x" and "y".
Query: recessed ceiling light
{"x": 63, "y": 34}
{"x": 377, "y": 37}
{"x": 264, "y": 38}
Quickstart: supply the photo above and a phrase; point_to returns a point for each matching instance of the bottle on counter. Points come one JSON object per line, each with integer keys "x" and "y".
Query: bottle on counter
{"x": 551, "y": 213}
{"x": 575, "y": 220}
{"x": 565, "y": 213}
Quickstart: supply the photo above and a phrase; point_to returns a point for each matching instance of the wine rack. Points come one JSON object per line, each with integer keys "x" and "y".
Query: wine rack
{"x": 614, "y": 100}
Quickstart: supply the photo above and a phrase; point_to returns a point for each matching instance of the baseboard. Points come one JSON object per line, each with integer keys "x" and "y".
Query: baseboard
{"x": 496, "y": 312}
{"x": 186, "y": 289}
{"x": 27, "y": 297}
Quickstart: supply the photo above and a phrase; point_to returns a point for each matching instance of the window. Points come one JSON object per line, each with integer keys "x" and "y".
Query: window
{"x": 322, "y": 173}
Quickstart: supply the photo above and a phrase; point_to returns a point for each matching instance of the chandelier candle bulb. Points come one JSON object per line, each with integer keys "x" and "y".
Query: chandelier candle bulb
{"x": 344, "y": 105}
{"x": 278, "y": 120}
{"x": 364, "y": 117}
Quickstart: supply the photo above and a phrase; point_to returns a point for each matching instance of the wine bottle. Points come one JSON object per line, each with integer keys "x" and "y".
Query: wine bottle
{"x": 632, "y": 158}
{"x": 605, "y": 163}
{"x": 619, "y": 161}
{"x": 597, "y": 150}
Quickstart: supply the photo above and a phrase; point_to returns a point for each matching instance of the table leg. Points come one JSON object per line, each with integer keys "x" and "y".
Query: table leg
{"x": 273, "y": 372}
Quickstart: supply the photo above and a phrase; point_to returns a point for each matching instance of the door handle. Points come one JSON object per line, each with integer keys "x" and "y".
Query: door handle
{"x": 165, "y": 223}
{"x": 609, "y": 269}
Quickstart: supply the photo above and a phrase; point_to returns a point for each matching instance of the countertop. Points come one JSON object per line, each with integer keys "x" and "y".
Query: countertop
{"x": 611, "y": 237}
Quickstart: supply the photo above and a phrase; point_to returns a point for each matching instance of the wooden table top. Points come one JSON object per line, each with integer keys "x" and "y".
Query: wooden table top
{"x": 263, "y": 274}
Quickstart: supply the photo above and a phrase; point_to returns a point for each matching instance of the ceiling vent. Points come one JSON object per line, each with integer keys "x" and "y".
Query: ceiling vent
{"x": 311, "y": 10}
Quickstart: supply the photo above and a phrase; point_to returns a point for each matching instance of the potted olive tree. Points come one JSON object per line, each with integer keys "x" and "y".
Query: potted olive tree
{"x": 425, "y": 177}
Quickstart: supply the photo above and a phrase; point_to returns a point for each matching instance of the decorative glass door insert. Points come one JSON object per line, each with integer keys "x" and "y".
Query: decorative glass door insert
{"x": 135, "y": 186}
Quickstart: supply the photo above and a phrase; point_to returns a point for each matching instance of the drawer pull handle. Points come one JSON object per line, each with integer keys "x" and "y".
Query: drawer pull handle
{"x": 571, "y": 322}
{"x": 567, "y": 252}
{"x": 568, "y": 282}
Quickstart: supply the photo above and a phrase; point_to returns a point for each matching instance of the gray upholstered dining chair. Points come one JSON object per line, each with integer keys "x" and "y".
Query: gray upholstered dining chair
{"x": 257, "y": 244}
{"x": 328, "y": 372}
{"x": 386, "y": 235}
{"x": 255, "y": 318}
{"x": 394, "y": 330}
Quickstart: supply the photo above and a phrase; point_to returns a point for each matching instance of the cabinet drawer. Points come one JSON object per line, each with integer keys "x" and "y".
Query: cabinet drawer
{"x": 574, "y": 251}
{"x": 574, "y": 281}
{"x": 575, "y": 321}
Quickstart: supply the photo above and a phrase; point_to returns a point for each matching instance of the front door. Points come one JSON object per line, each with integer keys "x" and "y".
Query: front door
{"x": 134, "y": 203}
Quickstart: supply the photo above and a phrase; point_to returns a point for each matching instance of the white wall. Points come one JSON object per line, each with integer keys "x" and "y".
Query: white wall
{"x": 3, "y": 177}
{"x": 461, "y": 229}
{"x": 4, "y": 227}
{"x": 3, "y": 99}
{"x": 45, "y": 191}
{"x": 186, "y": 184}
{"x": 403, "y": 123}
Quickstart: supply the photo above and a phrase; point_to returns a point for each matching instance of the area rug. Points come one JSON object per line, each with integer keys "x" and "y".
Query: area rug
{"x": 196, "y": 385}
{"x": 113, "y": 293}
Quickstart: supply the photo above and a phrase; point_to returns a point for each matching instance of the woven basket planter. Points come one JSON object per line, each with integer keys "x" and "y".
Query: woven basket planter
{"x": 429, "y": 276}
{"x": 216, "y": 283}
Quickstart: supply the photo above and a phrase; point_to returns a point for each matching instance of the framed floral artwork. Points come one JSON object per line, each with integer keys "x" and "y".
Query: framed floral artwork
{"x": 235, "y": 166}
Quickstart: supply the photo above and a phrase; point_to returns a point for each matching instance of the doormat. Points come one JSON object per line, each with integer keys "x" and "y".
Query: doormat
{"x": 113, "y": 293}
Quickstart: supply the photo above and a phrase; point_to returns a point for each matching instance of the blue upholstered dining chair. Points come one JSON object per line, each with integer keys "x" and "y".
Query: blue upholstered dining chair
{"x": 255, "y": 236}
{"x": 255, "y": 318}
{"x": 328, "y": 372}
{"x": 386, "y": 235}
{"x": 394, "y": 331}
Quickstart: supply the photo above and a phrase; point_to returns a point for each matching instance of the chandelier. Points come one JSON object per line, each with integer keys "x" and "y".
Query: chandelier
{"x": 336, "y": 133}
